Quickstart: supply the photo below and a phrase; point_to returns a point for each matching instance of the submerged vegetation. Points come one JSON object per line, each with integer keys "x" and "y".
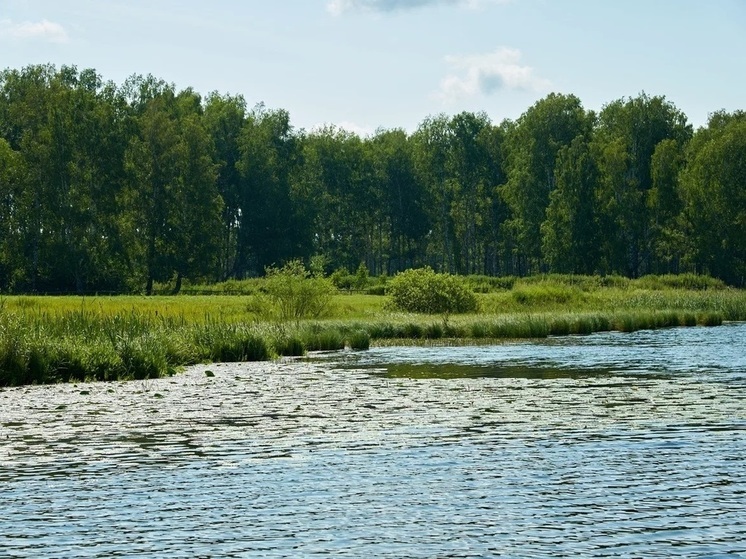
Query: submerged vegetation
{"x": 62, "y": 339}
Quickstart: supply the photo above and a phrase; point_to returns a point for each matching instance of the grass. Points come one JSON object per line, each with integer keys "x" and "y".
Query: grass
{"x": 63, "y": 339}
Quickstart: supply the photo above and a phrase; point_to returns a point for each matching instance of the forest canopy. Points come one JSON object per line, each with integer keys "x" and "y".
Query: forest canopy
{"x": 107, "y": 187}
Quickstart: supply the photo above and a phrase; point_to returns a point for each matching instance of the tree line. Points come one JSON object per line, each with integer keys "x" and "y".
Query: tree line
{"x": 107, "y": 187}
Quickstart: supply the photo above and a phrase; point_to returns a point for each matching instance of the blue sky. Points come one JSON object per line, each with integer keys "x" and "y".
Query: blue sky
{"x": 364, "y": 64}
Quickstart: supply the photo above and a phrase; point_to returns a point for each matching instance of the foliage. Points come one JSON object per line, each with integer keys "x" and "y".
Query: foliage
{"x": 141, "y": 187}
{"x": 293, "y": 294}
{"x": 425, "y": 291}
{"x": 545, "y": 294}
{"x": 714, "y": 211}
{"x": 63, "y": 339}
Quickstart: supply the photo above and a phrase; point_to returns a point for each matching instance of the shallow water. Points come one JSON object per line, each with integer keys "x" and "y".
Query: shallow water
{"x": 610, "y": 445}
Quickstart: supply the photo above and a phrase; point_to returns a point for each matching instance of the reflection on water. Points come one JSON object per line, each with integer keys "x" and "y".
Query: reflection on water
{"x": 457, "y": 370}
{"x": 610, "y": 445}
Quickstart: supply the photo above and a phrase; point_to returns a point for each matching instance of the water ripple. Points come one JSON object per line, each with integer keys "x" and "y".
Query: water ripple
{"x": 609, "y": 445}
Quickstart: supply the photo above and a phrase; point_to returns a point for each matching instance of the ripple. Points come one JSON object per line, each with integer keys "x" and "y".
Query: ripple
{"x": 555, "y": 449}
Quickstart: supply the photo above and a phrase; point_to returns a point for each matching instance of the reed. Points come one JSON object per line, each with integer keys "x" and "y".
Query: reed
{"x": 64, "y": 339}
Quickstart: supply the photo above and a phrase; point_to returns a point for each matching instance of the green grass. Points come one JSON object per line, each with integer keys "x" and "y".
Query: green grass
{"x": 64, "y": 339}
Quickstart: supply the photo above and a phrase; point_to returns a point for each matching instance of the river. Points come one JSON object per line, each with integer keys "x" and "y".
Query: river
{"x": 608, "y": 445}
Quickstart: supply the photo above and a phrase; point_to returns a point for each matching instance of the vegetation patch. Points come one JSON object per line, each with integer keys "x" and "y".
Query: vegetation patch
{"x": 425, "y": 291}
{"x": 72, "y": 339}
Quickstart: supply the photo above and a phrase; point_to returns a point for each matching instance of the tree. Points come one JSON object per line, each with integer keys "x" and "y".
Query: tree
{"x": 66, "y": 125}
{"x": 469, "y": 175}
{"x": 403, "y": 200}
{"x": 570, "y": 234}
{"x": 626, "y": 139}
{"x": 267, "y": 232}
{"x": 198, "y": 213}
{"x": 533, "y": 145}
{"x": 431, "y": 159}
{"x": 334, "y": 186}
{"x": 11, "y": 173}
{"x": 665, "y": 206}
{"x": 172, "y": 207}
{"x": 224, "y": 117}
{"x": 714, "y": 194}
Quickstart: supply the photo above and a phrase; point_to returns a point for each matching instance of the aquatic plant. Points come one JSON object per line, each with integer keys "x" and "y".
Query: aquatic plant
{"x": 65, "y": 339}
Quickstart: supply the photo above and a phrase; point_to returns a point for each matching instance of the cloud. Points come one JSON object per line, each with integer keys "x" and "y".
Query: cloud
{"x": 486, "y": 73}
{"x": 340, "y": 7}
{"x": 44, "y": 30}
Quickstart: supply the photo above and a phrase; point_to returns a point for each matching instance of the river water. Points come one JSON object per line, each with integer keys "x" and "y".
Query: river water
{"x": 608, "y": 445}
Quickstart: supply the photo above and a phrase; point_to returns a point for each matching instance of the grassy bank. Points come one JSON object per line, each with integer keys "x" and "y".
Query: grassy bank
{"x": 60, "y": 339}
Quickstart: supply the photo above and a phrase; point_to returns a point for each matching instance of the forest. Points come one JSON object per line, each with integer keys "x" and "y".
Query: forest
{"x": 113, "y": 188}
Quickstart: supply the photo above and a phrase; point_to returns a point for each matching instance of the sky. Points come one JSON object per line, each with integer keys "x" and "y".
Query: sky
{"x": 369, "y": 64}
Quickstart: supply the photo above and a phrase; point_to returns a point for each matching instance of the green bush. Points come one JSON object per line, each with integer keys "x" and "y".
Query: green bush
{"x": 294, "y": 294}
{"x": 342, "y": 279}
{"x": 425, "y": 291}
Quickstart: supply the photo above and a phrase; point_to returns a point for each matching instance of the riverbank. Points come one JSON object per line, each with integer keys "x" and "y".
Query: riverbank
{"x": 63, "y": 339}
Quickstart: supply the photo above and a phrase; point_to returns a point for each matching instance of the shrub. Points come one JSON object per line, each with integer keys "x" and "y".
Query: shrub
{"x": 342, "y": 279}
{"x": 294, "y": 294}
{"x": 425, "y": 291}
{"x": 362, "y": 277}
{"x": 379, "y": 289}
{"x": 486, "y": 284}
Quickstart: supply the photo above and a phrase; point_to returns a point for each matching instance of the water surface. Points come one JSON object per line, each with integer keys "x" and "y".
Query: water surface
{"x": 609, "y": 445}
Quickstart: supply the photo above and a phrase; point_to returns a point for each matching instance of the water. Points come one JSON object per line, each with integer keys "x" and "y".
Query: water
{"x": 610, "y": 445}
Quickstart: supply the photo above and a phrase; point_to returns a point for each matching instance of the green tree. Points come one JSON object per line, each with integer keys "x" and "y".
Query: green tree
{"x": 665, "y": 206}
{"x": 431, "y": 140}
{"x": 532, "y": 147}
{"x": 224, "y": 117}
{"x": 471, "y": 181}
{"x": 267, "y": 227}
{"x": 626, "y": 139}
{"x": 403, "y": 217}
{"x": 570, "y": 234}
{"x": 334, "y": 189}
{"x": 11, "y": 174}
{"x": 69, "y": 128}
{"x": 172, "y": 206}
{"x": 714, "y": 198}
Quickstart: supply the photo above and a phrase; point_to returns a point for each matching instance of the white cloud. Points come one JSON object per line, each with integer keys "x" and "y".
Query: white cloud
{"x": 44, "y": 30}
{"x": 340, "y": 7}
{"x": 486, "y": 73}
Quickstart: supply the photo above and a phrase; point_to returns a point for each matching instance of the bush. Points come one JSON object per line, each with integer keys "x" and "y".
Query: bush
{"x": 425, "y": 291}
{"x": 342, "y": 279}
{"x": 294, "y": 294}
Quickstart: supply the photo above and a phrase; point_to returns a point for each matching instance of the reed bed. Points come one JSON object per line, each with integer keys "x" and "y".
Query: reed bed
{"x": 66, "y": 339}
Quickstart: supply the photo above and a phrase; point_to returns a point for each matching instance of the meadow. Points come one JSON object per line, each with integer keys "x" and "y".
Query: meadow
{"x": 46, "y": 339}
